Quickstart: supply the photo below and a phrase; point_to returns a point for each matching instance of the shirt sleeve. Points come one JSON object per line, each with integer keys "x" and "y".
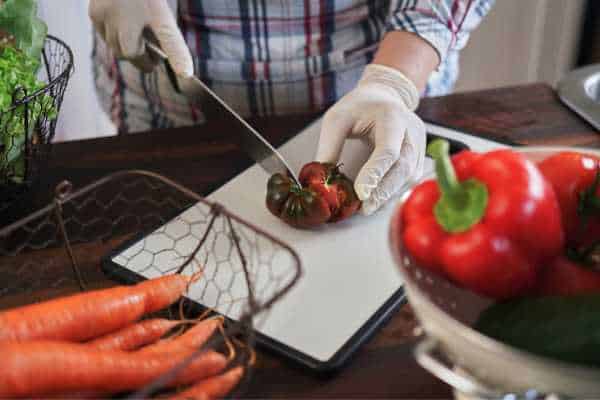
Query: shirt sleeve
{"x": 445, "y": 24}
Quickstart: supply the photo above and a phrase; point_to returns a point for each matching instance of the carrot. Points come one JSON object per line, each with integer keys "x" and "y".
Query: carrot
{"x": 192, "y": 339}
{"x": 73, "y": 395}
{"x": 212, "y": 388}
{"x": 89, "y": 315}
{"x": 43, "y": 368}
{"x": 134, "y": 336}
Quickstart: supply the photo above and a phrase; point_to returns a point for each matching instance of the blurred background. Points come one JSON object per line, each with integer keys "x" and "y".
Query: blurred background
{"x": 520, "y": 42}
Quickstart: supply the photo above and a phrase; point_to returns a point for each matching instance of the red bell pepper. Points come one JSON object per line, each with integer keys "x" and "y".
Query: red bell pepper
{"x": 577, "y": 273}
{"x": 489, "y": 222}
{"x": 575, "y": 178}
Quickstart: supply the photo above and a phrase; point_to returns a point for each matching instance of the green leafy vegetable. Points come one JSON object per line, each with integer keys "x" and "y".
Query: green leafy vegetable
{"x": 22, "y": 36}
{"x": 565, "y": 328}
{"x": 19, "y": 19}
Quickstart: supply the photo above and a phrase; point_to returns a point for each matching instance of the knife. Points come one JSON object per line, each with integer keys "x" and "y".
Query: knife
{"x": 252, "y": 142}
{"x": 259, "y": 149}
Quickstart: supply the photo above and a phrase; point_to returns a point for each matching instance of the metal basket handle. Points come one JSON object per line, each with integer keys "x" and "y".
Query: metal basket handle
{"x": 426, "y": 354}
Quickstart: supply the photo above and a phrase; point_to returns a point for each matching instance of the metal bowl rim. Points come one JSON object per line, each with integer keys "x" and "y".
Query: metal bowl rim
{"x": 469, "y": 334}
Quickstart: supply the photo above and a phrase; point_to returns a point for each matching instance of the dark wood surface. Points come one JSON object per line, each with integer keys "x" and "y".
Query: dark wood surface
{"x": 203, "y": 158}
{"x": 523, "y": 115}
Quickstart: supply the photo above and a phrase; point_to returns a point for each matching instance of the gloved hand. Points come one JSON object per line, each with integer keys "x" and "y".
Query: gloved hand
{"x": 121, "y": 23}
{"x": 379, "y": 110}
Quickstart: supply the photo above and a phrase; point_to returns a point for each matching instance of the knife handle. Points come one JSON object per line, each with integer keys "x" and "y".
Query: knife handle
{"x": 156, "y": 51}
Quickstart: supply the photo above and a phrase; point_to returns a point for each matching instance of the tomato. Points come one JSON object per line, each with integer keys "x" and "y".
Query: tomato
{"x": 326, "y": 195}
{"x": 336, "y": 188}
{"x": 301, "y": 208}
{"x": 575, "y": 179}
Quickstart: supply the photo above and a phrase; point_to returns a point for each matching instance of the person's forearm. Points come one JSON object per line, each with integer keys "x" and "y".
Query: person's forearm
{"x": 410, "y": 54}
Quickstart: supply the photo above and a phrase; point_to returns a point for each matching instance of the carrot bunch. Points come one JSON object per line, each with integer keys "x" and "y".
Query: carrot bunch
{"x": 95, "y": 345}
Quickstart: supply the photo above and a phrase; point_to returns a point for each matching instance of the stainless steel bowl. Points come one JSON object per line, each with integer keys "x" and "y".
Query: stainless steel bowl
{"x": 580, "y": 91}
{"x": 469, "y": 361}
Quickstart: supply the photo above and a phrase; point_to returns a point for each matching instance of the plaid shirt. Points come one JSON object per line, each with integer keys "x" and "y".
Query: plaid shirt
{"x": 268, "y": 57}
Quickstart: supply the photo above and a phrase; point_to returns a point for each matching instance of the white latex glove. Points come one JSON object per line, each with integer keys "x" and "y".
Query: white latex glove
{"x": 121, "y": 23}
{"x": 379, "y": 110}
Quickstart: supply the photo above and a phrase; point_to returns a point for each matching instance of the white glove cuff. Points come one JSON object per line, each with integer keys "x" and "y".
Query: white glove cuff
{"x": 394, "y": 79}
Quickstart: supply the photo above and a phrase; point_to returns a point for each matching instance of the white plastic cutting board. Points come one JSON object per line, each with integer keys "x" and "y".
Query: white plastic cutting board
{"x": 348, "y": 273}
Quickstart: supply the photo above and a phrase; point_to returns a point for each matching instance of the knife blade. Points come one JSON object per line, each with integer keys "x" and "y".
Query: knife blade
{"x": 252, "y": 142}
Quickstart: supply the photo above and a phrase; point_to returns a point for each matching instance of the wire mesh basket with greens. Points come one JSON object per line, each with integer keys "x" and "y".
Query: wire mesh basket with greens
{"x": 34, "y": 73}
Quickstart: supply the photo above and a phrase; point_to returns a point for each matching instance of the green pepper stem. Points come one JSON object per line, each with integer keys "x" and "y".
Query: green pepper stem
{"x": 439, "y": 150}
{"x": 462, "y": 204}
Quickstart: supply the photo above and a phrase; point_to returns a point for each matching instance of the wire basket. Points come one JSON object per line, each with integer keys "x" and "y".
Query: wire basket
{"x": 151, "y": 226}
{"x": 22, "y": 157}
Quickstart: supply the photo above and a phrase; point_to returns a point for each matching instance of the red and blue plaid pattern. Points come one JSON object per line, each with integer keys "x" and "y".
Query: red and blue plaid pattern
{"x": 278, "y": 57}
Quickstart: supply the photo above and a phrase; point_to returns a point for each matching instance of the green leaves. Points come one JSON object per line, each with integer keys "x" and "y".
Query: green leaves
{"x": 19, "y": 18}
{"x": 19, "y": 62}
{"x": 18, "y": 70}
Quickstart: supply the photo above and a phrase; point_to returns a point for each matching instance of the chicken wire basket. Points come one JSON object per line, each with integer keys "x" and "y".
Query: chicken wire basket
{"x": 133, "y": 225}
{"x": 28, "y": 126}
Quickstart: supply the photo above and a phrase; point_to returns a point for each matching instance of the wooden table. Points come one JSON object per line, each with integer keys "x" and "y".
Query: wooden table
{"x": 202, "y": 158}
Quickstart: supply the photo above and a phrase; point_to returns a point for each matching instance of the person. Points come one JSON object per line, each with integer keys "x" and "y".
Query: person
{"x": 368, "y": 61}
